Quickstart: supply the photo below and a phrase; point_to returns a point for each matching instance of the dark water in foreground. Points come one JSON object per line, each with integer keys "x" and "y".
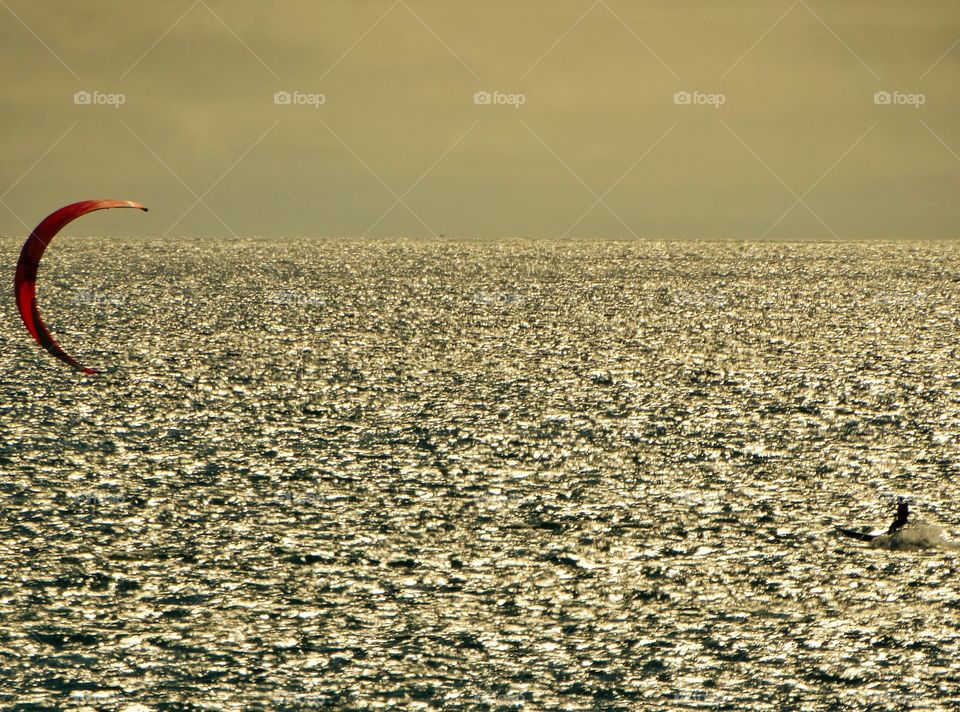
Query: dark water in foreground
{"x": 480, "y": 476}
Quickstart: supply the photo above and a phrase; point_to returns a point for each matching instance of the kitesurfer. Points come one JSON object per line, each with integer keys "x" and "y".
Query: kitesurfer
{"x": 903, "y": 511}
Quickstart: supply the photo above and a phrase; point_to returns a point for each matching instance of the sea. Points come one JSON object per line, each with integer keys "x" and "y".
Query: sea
{"x": 481, "y": 475}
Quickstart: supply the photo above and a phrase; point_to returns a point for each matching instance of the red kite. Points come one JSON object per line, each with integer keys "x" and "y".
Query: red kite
{"x": 25, "y": 281}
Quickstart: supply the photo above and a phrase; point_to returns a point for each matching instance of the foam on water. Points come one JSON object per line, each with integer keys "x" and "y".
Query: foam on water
{"x": 921, "y": 535}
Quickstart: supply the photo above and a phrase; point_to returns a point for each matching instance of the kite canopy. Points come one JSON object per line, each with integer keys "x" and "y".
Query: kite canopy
{"x": 25, "y": 280}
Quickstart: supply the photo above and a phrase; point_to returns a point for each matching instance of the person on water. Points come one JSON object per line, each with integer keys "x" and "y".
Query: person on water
{"x": 903, "y": 511}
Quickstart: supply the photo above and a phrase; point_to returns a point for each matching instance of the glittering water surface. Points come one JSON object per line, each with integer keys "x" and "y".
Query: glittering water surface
{"x": 358, "y": 474}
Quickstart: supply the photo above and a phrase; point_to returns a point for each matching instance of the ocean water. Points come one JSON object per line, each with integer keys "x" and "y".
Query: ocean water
{"x": 324, "y": 474}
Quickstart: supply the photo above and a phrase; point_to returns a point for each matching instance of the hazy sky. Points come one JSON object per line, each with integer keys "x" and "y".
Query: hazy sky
{"x": 782, "y": 137}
